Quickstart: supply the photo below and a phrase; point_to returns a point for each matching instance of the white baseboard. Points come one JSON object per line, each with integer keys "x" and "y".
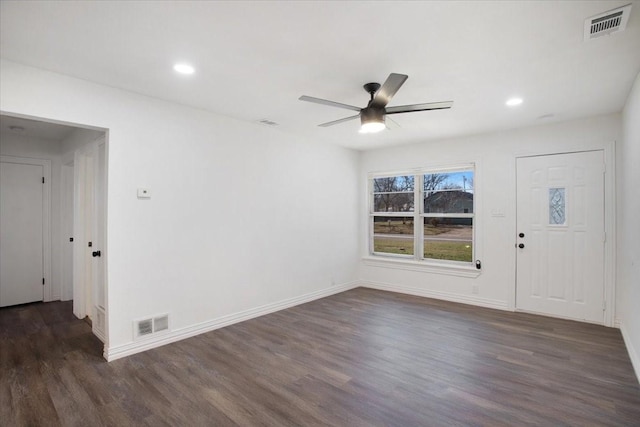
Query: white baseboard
{"x": 447, "y": 296}
{"x": 117, "y": 352}
{"x": 633, "y": 354}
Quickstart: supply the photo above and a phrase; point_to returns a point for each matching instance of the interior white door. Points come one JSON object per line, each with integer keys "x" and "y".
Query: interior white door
{"x": 89, "y": 246}
{"x": 560, "y": 241}
{"x": 67, "y": 231}
{"x": 21, "y": 233}
{"x": 99, "y": 240}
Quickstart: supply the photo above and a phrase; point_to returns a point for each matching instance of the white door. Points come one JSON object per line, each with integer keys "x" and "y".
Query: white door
{"x": 67, "y": 231}
{"x": 99, "y": 239}
{"x": 21, "y": 233}
{"x": 89, "y": 246}
{"x": 560, "y": 235}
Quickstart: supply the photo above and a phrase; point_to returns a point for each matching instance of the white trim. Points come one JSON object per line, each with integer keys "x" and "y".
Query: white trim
{"x": 447, "y": 296}
{"x": 452, "y": 269}
{"x": 117, "y": 352}
{"x": 610, "y": 233}
{"x": 450, "y": 167}
{"x": 633, "y": 354}
{"x": 48, "y": 293}
{"x": 557, "y": 316}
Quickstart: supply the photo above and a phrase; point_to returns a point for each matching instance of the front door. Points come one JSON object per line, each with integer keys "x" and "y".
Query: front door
{"x": 560, "y": 235}
{"x": 21, "y": 233}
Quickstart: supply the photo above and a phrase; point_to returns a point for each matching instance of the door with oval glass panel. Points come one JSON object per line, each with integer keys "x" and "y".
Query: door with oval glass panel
{"x": 560, "y": 235}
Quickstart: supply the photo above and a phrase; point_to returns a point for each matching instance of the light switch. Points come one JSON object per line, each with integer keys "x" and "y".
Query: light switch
{"x": 144, "y": 193}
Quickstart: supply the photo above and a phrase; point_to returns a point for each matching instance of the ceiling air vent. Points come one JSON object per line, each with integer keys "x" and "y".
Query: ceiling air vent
{"x": 607, "y": 22}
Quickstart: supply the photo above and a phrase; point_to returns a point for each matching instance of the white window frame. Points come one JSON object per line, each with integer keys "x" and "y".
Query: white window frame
{"x": 418, "y": 215}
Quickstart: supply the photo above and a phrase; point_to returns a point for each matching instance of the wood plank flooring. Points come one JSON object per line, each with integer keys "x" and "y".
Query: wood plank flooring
{"x": 359, "y": 358}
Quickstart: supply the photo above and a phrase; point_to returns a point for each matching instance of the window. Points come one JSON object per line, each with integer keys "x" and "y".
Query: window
{"x": 441, "y": 228}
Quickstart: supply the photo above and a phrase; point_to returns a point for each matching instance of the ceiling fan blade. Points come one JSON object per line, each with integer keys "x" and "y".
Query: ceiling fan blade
{"x": 329, "y": 103}
{"x": 388, "y": 89}
{"x": 419, "y": 107}
{"x": 335, "y": 122}
{"x": 391, "y": 124}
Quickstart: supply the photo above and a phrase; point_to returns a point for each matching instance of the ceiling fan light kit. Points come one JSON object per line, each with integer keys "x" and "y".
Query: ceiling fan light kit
{"x": 372, "y": 117}
{"x": 372, "y": 120}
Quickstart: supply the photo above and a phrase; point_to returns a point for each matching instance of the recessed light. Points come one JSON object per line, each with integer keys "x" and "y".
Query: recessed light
{"x": 184, "y": 68}
{"x": 512, "y": 102}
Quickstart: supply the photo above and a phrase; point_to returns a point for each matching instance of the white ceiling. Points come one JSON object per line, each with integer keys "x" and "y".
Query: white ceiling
{"x": 34, "y": 128}
{"x": 254, "y": 59}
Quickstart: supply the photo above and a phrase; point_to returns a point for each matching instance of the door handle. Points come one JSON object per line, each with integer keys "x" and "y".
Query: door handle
{"x": 521, "y": 246}
{"x": 95, "y": 253}
{"x": 521, "y": 235}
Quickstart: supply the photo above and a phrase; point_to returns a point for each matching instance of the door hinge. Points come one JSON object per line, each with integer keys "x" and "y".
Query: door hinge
{"x": 604, "y": 168}
{"x": 43, "y": 179}
{"x": 43, "y": 280}
{"x": 604, "y": 305}
{"x": 604, "y": 237}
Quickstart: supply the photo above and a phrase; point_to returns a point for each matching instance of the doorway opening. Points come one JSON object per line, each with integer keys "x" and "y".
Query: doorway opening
{"x": 66, "y": 213}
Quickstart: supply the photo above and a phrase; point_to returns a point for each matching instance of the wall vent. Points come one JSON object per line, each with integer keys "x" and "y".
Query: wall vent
{"x": 161, "y": 323}
{"x": 607, "y": 22}
{"x": 153, "y": 325}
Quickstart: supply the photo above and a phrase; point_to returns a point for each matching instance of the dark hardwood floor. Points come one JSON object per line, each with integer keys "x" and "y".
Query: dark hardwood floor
{"x": 360, "y": 358}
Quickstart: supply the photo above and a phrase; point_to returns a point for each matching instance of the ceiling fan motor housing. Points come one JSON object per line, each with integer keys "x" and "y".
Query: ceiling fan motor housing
{"x": 372, "y": 115}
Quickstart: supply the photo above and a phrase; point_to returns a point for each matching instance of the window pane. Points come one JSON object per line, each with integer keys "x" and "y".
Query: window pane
{"x": 393, "y": 202}
{"x": 453, "y": 201}
{"x": 450, "y": 192}
{"x": 393, "y": 184}
{"x": 393, "y": 235}
{"x": 460, "y": 180}
{"x": 556, "y": 206}
{"x": 448, "y": 238}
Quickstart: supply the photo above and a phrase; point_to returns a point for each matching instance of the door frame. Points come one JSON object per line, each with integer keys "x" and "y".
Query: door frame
{"x": 47, "y": 294}
{"x": 608, "y": 150}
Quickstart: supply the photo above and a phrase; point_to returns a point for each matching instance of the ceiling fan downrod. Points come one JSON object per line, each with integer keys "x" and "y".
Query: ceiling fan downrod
{"x": 371, "y": 88}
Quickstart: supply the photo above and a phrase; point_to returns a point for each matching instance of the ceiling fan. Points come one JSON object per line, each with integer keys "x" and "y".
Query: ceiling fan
{"x": 372, "y": 117}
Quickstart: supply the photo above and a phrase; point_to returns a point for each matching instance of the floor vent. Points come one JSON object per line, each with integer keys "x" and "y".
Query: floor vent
{"x": 153, "y": 325}
{"x": 607, "y": 22}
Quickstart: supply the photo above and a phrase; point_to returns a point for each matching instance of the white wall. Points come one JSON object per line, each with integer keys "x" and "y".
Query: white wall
{"x": 241, "y": 215}
{"x": 76, "y": 140}
{"x": 628, "y": 253}
{"x": 17, "y": 145}
{"x": 495, "y": 188}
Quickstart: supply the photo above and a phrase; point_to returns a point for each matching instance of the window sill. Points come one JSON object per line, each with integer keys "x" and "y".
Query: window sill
{"x": 421, "y": 266}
